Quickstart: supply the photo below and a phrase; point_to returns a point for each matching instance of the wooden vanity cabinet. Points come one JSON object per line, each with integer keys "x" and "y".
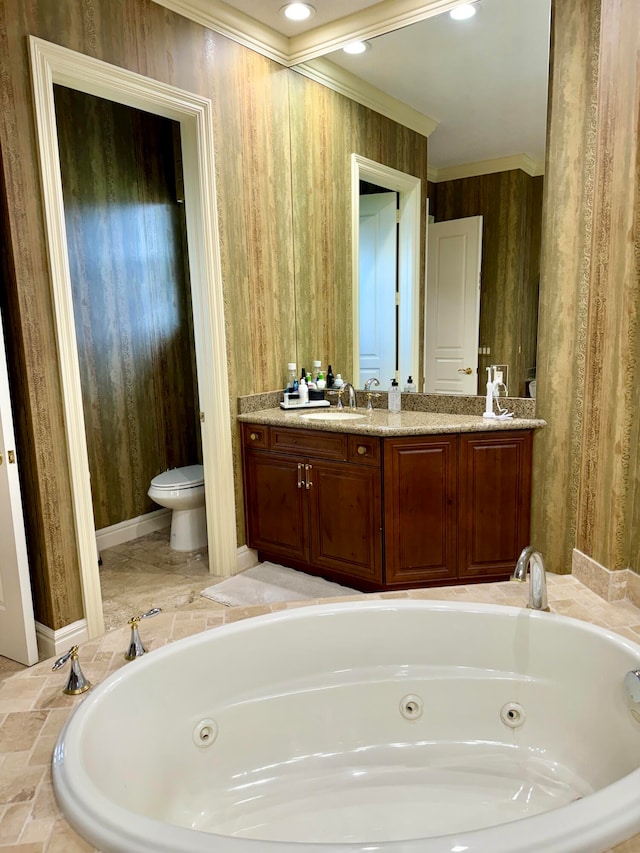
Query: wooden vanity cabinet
{"x": 420, "y": 484}
{"x": 313, "y": 500}
{"x": 494, "y": 502}
{"x": 388, "y": 513}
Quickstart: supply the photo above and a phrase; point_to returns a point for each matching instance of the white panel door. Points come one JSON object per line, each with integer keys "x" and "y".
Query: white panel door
{"x": 453, "y": 306}
{"x": 17, "y": 626}
{"x": 377, "y": 288}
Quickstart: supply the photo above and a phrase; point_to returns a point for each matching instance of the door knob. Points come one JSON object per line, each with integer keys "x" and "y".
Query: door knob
{"x": 467, "y": 370}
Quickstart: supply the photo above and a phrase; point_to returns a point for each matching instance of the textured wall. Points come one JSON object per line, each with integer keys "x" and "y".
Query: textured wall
{"x": 609, "y": 464}
{"x": 254, "y": 186}
{"x": 326, "y": 128}
{"x": 511, "y": 206}
{"x": 126, "y": 236}
{"x": 586, "y": 463}
{"x": 250, "y": 96}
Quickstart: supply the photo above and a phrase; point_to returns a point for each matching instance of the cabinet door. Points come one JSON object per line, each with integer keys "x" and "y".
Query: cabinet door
{"x": 275, "y": 505}
{"x": 345, "y": 520}
{"x": 494, "y": 502}
{"x": 420, "y": 509}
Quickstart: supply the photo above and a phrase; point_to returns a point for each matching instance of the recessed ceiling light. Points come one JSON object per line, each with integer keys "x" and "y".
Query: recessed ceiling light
{"x": 298, "y": 11}
{"x": 355, "y": 47}
{"x": 461, "y": 13}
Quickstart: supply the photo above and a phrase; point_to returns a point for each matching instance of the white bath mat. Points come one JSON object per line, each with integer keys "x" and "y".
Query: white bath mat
{"x": 268, "y": 583}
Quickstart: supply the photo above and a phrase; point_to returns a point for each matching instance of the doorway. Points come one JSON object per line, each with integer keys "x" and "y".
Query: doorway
{"x": 407, "y": 314}
{"x": 52, "y": 64}
{"x": 378, "y": 284}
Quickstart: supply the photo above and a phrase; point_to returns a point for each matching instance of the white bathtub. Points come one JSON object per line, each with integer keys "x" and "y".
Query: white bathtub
{"x": 395, "y": 726}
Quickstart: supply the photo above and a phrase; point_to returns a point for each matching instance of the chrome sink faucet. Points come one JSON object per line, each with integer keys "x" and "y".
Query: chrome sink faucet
{"x": 367, "y": 387}
{"x": 530, "y": 561}
{"x": 352, "y": 396}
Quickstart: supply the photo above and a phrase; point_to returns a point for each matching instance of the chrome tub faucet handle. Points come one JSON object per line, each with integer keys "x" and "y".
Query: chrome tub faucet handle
{"x": 76, "y": 683}
{"x": 136, "y": 649}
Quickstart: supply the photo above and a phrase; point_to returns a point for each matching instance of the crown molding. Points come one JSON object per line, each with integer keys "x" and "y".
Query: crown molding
{"x": 487, "y": 167}
{"x": 370, "y": 22}
{"x": 334, "y": 77}
{"x": 374, "y": 21}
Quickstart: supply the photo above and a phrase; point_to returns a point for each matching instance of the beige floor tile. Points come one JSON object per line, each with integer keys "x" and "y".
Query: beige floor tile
{"x": 12, "y": 821}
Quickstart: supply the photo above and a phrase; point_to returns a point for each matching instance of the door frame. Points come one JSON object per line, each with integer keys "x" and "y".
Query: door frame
{"x": 409, "y": 188}
{"x": 51, "y": 63}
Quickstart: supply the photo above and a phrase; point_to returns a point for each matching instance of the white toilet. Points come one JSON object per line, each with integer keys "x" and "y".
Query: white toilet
{"x": 182, "y": 490}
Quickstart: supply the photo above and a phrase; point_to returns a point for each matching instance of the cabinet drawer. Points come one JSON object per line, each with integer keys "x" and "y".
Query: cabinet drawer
{"x": 254, "y": 435}
{"x": 364, "y": 449}
{"x": 322, "y": 445}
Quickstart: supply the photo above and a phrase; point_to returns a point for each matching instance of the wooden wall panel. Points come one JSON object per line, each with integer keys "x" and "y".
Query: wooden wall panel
{"x": 250, "y": 97}
{"x": 609, "y": 464}
{"x": 326, "y": 128}
{"x": 511, "y": 214}
{"x": 129, "y": 274}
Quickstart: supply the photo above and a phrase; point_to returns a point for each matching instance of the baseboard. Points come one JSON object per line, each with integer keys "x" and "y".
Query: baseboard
{"x": 132, "y": 528}
{"x": 56, "y": 643}
{"x": 246, "y": 559}
{"x": 608, "y": 584}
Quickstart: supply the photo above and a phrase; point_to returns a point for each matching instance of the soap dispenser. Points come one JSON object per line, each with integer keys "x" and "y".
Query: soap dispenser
{"x": 410, "y": 387}
{"x": 394, "y": 398}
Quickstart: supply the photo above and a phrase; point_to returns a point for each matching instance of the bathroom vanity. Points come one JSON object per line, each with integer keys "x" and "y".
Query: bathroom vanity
{"x": 388, "y": 501}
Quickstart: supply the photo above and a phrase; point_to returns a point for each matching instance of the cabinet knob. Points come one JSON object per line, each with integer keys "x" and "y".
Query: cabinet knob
{"x": 362, "y": 449}
{"x": 254, "y": 436}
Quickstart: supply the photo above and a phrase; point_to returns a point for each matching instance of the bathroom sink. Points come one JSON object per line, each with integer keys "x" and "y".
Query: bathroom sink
{"x": 333, "y": 415}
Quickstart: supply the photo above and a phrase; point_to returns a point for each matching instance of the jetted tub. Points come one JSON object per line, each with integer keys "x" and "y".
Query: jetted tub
{"x": 392, "y": 726}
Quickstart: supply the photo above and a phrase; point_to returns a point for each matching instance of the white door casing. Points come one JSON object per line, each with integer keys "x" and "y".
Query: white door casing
{"x": 452, "y": 306}
{"x": 409, "y": 189}
{"x": 51, "y": 64}
{"x": 377, "y": 287}
{"x": 17, "y": 625}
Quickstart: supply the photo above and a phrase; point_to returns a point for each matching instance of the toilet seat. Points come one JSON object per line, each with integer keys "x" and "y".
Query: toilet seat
{"x": 188, "y": 477}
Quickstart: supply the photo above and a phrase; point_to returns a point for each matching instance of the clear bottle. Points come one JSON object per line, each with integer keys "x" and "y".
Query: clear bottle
{"x": 317, "y": 368}
{"x": 394, "y": 398}
{"x": 410, "y": 387}
{"x": 292, "y": 381}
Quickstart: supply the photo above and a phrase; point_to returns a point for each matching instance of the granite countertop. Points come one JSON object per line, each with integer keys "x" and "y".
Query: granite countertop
{"x": 382, "y": 422}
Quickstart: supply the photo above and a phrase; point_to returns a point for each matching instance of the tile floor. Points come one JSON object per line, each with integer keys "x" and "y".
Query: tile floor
{"x": 33, "y": 707}
{"x": 146, "y": 573}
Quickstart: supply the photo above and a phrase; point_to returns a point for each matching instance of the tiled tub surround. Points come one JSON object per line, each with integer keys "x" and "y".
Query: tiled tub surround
{"x": 521, "y": 407}
{"x": 33, "y": 708}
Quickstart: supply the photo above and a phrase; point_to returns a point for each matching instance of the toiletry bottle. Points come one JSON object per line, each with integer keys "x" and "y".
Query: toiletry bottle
{"x": 338, "y": 383}
{"x": 394, "y": 398}
{"x": 303, "y": 391}
{"x": 330, "y": 379}
{"x": 410, "y": 387}
{"x": 317, "y": 366}
{"x": 292, "y": 382}
{"x": 303, "y": 375}
{"x": 320, "y": 381}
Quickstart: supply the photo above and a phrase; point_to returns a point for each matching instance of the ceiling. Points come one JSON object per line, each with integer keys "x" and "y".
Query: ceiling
{"x": 477, "y": 88}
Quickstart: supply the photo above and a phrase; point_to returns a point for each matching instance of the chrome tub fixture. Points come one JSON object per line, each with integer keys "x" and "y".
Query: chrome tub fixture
{"x": 530, "y": 561}
{"x": 136, "y": 649}
{"x": 76, "y": 683}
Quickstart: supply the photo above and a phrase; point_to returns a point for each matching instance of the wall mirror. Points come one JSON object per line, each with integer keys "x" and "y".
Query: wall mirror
{"x": 484, "y": 81}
